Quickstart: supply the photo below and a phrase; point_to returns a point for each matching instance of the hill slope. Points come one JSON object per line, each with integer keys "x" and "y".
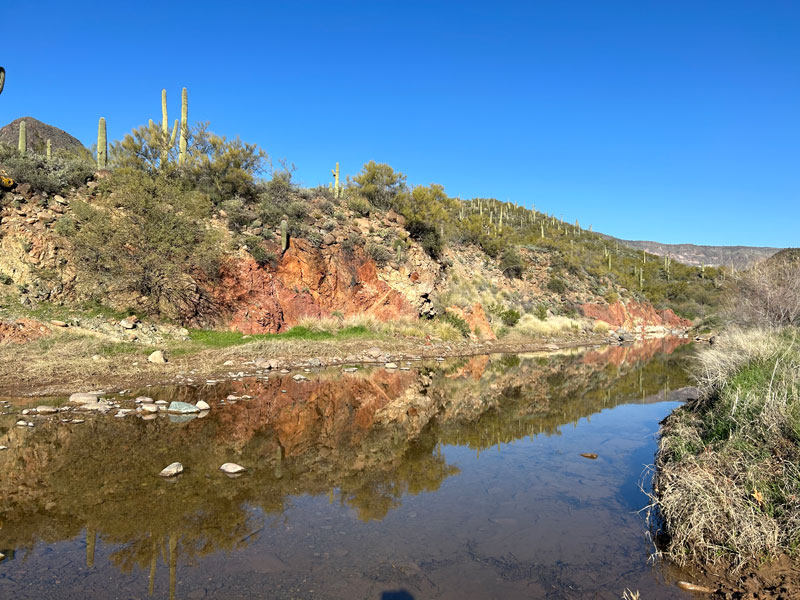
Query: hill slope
{"x": 37, "y": 134}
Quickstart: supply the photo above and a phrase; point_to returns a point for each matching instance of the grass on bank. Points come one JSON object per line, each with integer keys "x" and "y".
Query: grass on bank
{"x": 728, "y": 466}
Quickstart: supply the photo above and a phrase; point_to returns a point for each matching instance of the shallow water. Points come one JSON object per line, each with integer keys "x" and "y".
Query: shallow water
{"x": 461, "y": 479}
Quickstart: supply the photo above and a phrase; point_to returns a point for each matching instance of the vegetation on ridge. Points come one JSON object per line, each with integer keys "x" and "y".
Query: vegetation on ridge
{"x": 154, "y": 231}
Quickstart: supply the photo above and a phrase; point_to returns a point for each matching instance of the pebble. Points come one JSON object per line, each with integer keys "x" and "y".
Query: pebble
{"x": 46, "y": 410}
{"x": 144, "y": 400}
{"x": 77, "y": 421}
{"x": 149, "y": 408}
{"x": 203, "y": 405}
{"x": 3, "y": 447}
{"x": 350, "y": 369}
{"x": 172, "y": 470}
{"x": 22, "y": 423}
{"x": 390, "y": 365}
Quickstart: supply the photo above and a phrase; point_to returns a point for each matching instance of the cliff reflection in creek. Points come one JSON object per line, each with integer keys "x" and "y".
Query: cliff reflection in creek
{"x": 365, "y": 439}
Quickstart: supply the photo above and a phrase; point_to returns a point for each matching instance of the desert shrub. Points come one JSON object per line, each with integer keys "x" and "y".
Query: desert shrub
{"x": 510, "y": 317}
{"x": 455, "y": 321}
{"x": 379, "y": 253}
{"x": 380, "y": 184}
{"x": 511, "y": 263}
{"x": 145, "y": 235}
{"x": 261, "y": 255}
{"x": 428, "y": 237}
{"x": 768, "y": 294}
{"x": 557, "y": 285}
{"x": 54, "y": 176}
{"x": 359, "y": 205}
{"x": 541, "y": 312}
{"x": 351, "y": 242}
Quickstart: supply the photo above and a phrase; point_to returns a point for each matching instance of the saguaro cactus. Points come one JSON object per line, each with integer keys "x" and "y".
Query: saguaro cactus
{"x": 48, "y": 149}
{"x": 102, "y": 145}
{"x": 336, "y": 188}
{"x": 284, "y": 234}
{"x": 168, "y": 139}
{"x": 22, "y": 145}
{"x": 184, "y": 127}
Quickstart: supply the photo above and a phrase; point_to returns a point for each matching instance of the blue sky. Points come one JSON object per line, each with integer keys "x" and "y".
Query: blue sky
{"x": 677, "y": 121}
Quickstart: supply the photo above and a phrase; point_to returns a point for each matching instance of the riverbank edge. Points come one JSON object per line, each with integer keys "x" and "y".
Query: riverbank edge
{"x": 122, "y": 372}
{"x": 687, "y": 445}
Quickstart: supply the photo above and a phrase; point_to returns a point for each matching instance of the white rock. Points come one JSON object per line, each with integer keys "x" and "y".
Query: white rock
{"x": 144, "y": 400}
{"x": 203, "y": 405}
{"x": 46, "y": 410}
{"x": 149, "y": 408}
{"x": 390, "y": 365}
{"x": 162, "y": 402}
{"x": 3, "y": 447}
{"x": 175, "y": 468}
{"x": 232, "y": 469}
{"x": 85, "y": 397}
{"x": 22, "y": 423}
{"x": 157, "y": 357}
{"x": 77, "y": 421}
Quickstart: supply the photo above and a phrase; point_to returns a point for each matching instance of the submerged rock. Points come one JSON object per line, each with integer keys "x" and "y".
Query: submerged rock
{"x": 172, "y": 470}
{"x": 182, "y": 408}
{"x": 232, "y": 469}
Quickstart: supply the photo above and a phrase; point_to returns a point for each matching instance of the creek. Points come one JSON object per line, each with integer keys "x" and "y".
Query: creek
{"x": 463, "y": 478}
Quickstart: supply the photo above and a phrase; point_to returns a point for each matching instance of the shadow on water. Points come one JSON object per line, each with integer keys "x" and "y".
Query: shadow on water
{"x": 366, "y": 442}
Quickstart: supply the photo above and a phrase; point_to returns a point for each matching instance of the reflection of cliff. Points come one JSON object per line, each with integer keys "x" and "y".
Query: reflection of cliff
{"x": 370, "y": 438}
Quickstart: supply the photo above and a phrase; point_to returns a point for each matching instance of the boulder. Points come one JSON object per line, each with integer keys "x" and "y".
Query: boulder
{"x": 46, "y": 410}
{"x": 129, "y": 322}
{"x": 172, "y": 470}
{"x": 157, "y": 358}
{"x": 182, "y": 408}
{"x": 202, "y": 405}
{"x": 85, "y": 397}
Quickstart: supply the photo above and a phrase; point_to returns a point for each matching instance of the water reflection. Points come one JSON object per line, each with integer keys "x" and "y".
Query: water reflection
{"x": 367, "y": 441}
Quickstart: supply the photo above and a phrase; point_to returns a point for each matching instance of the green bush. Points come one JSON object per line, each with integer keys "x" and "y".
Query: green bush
{"x": 54, "y": 176}
{"x": 147, "y": 238}
{"x": 511, "y": 264}
{"x": 510, "y": 317}
{"x": 457, "y": 322}
{"x": 541, "y": 312}
{"x": 428, "y": 237}
{"x": 379, "y": 253}
{"x": 262, "y": 256}
{"x": 359, "y": 205}
{"x": 557, "y": 285}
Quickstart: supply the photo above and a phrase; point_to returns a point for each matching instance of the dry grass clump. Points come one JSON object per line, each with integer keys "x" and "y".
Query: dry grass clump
{"x": 768, "y": 294}
{"x": 531, "y": 326}
{"x": 728, "y": 466}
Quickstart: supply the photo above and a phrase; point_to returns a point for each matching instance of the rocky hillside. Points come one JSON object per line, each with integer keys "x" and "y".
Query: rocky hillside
{"x": 209, "y": 244}
{"x": 736, "y": 257}
{"x": 37, "y": 134}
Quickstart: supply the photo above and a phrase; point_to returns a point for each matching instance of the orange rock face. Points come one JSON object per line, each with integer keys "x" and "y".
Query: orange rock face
{"x": 307, "y": 282}
{"x": 634, "y": 315}
{"x": 476, "y": 319}
{"x": 22, "y": 330}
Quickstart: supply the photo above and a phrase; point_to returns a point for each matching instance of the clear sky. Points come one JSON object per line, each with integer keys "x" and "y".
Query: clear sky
{"x": 676, "y": 121}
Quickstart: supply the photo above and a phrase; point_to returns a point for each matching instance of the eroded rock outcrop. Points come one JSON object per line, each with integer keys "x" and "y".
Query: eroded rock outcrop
{"x": 634, "y": 315}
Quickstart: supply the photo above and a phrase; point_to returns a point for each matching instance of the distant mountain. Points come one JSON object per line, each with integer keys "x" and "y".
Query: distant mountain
{"x": 710, "y": 256}
{"x": 37, "y": 134}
